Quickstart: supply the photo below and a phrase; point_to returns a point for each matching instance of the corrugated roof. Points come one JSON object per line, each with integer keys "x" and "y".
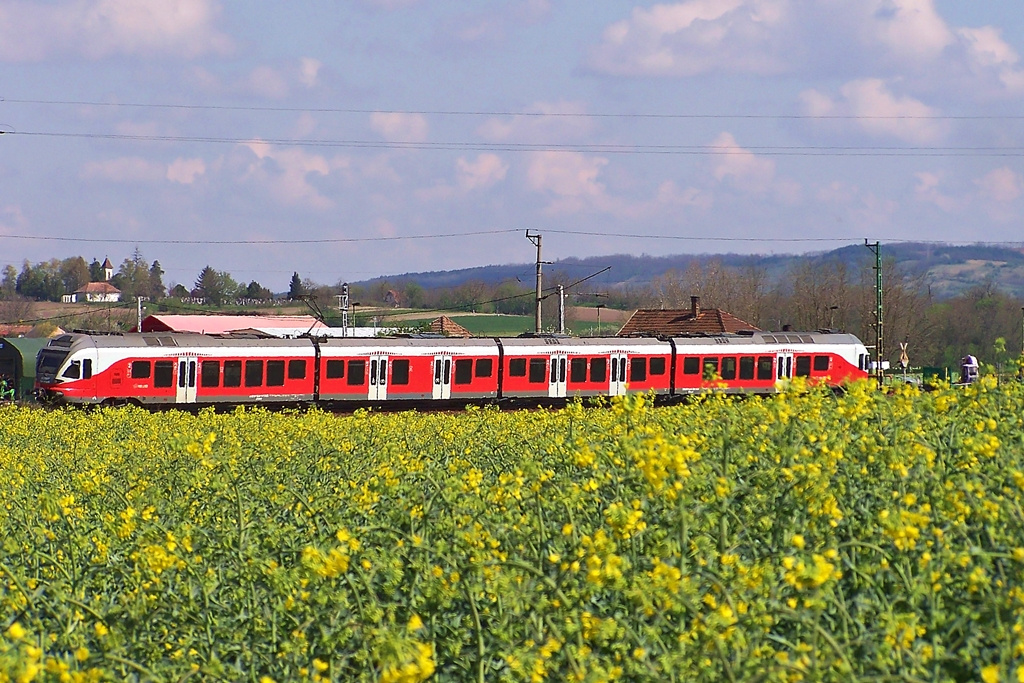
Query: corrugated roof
{"x": 681, "y": 322}
{"x": 222, "y": 324}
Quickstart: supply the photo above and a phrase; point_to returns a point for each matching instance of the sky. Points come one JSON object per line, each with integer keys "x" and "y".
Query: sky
{"x": 351, "y": 139}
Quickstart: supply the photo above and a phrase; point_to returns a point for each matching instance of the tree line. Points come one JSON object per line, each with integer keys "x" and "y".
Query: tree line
{"x": 811, "y": 293}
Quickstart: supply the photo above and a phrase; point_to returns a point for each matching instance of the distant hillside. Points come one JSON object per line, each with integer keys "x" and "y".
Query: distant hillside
{"x": 949, "y": 270}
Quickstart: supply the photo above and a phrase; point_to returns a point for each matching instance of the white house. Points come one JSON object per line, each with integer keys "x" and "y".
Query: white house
{"x": 94, "y": 292}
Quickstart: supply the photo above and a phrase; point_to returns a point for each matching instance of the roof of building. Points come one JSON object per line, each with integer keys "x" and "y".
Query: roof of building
{"x": 14, "y": 330}
{"x": 278, "y": 325}
{"x": 97, "y": 288}
{"x": 107, "y": 263}
{"x": 446, "y": 326}
{"x": 681, "y": 322}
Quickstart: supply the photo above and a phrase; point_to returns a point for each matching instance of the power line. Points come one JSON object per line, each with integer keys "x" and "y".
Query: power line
{"x": 326, "y": 240}
{"x": 683, "y": 150}
{"x": 478, "y": 113}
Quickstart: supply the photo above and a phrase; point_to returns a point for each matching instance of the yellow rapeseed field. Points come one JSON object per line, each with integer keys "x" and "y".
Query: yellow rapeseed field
{"x": 799, "y": 537}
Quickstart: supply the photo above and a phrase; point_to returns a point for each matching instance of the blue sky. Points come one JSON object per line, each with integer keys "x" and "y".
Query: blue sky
{"x": 335, "y": 138}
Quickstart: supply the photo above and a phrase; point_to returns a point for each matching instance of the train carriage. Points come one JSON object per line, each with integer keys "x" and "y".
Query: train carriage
{"x": 408, "y": 369}
{"x": 756, "y": 362}
{"x": 170, "y": 369}
{"x": 565, "y": 367}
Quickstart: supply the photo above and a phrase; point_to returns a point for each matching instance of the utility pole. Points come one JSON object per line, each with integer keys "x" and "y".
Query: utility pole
{"x": 343, "y": 307}
{"x": 561, "y": 309}
{"x": 535, "y": 238}
{"x": 877, "y": 251}
{"x": 138, "y": 301}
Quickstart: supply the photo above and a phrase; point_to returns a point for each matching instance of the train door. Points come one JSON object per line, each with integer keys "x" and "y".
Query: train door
{"x": 442, "y": 377}
{"x": 784, "y": 366}
{"x": 617, "y": 374}
{"x": 186, "y": 392}
{"x": 378, "y": 378}
{"x": 557, "y": 384}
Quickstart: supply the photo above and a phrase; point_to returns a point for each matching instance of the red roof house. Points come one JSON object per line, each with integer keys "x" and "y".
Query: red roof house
{"x": 682, "y": 322}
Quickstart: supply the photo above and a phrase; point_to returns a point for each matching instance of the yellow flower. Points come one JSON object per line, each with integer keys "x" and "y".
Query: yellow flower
{"x": 16, "y": 631}
{"x": 990, "y": 674}
{"x": 798, "y": 541}
{"x": 415, "y": 623}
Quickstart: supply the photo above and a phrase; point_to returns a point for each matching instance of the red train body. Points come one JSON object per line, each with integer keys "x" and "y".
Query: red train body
{"x": 170, "y": 369}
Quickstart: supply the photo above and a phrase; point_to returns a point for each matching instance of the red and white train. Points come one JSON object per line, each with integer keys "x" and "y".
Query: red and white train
{"x": 176, "y": 369}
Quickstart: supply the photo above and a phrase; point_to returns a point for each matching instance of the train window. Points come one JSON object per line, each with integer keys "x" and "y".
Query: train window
{"x": 209, "y": 373}
{"x": 163, "y": 373}
{"x": 357, "y": 372}
{"x": 517, "y": 367}
{"x": 658, "y": 365}
{"x": 141, "y": 369}
{"x": 821, "y": 363}
{"x": 561, "y": 369}
{"x": 232, "y": 373}
{"x": 297, "y": 369}
{"x": 400, "y": 371}
{"x": 538, "y": 370}
{"x": 691, "y": 365}
{"x": 74, "y": 370}
{"x": 710, "y": 371}
{"x": 87, "y": 368}
{"x": 253, "y": 373}
{"x": 275, "y": 373}
{"x": 637, "y": 369}
{"x": 484, "y": 367}
{"x": 463, "y": 370}
{"x": 729, "y": 367}
{"x": 746, "y": 367}
{"x": 803, "y": 366}
{"x": 577, "y": 369}
{"x": 598, "y": 369}
{"x": 764, "y": 367}
{"x": 336, "y": 369}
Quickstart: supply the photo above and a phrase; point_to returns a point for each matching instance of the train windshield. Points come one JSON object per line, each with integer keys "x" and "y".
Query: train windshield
{"x": 49, "y": 362}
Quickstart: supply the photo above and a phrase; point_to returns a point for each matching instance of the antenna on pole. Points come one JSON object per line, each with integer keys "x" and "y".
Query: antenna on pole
{"x": 535, "y": 238}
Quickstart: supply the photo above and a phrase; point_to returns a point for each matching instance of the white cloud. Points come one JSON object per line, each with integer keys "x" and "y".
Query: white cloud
{"x": 927, "y": 190}
{"x": 185, "y": 171}
{"x": 283, "y": 172}
{"x": 125, "y": 170}
{"x": 267, "y": 82}
{"x": 1002, "y": 185}
{"x": 540, "y": 123}
{"x": 485, "y": 171}
{"x": 888, "y": 38}
{"x": 877, "y": 111}
{"x": 569, "y": 176}
{"x": 687, "y": 38}
{"x": 750, "y": 173}
{"x": 987, "y": 51}
{"x": 96, "y": 29}
{"x": 12, "y": 219}
{"x": 400, "y": 127}
{"x": 309, "y": 71}
{"x": 388, "y": 5}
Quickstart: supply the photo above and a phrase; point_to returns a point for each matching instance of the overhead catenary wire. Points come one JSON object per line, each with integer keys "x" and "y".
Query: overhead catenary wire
{"x": 510, "y": 113}
{"x": 596, "y": 148}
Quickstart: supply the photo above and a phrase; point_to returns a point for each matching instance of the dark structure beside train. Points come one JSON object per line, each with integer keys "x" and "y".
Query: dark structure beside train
{"x": 18, "y": 363}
